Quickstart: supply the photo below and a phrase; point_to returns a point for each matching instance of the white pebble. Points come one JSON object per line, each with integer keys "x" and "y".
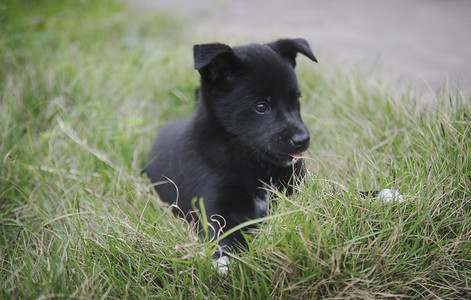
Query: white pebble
{"x": 222, "y": 265}
{"x": 387, "y": 195}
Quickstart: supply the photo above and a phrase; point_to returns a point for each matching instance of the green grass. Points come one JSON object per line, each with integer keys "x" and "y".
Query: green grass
{"x": 84, "y": 88}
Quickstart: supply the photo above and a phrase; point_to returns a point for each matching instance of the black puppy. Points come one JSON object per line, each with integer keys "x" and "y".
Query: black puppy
{"x": 247, "y": 131}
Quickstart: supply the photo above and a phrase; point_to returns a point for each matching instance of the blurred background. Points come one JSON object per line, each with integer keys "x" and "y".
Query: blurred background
{"x": 425, "y": 44}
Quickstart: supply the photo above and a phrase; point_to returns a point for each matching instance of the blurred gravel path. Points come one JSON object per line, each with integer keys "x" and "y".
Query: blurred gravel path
{"x": 423, "y": 42}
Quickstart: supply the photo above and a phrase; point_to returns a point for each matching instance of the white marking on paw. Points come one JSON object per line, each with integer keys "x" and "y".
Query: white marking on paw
{"x": 388, "y": 195}
{"x": 222, "y": 265}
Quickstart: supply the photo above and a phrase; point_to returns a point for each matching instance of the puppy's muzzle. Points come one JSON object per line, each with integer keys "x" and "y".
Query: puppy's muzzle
{"x": 301, "y": 141}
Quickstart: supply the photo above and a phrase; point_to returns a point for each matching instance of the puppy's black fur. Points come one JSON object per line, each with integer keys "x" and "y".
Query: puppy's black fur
{"x": 245, "y": 132}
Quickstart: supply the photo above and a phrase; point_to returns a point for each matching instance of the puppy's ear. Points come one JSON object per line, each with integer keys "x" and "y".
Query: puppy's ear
{"x": 289, "y": 48}
{"x": 214, "y": 61}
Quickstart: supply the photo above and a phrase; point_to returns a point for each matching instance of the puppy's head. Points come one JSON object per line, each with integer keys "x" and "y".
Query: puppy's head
{"x": 252, "y": 93}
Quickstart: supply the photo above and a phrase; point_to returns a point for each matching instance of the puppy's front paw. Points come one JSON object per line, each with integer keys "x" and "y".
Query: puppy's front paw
{"x": 221, "y": 264}
{"x": 387, "y": 195}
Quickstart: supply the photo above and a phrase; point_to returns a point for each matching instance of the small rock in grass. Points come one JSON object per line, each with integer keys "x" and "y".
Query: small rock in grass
{"x": 221, "y": 265}
{"x": 388, "y": 195}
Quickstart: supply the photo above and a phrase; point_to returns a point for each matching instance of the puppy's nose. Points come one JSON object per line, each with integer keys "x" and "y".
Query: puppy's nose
{"x": 300, "y": 141}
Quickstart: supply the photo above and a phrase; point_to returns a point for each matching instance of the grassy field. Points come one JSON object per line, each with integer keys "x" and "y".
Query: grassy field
{"x": 85, "y": 86}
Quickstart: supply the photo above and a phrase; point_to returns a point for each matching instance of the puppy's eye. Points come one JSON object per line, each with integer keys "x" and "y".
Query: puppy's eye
{"x": 261, "y": 108}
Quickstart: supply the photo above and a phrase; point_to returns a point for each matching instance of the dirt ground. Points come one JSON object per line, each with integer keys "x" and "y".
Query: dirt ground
{"x": 425, "y": 43}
